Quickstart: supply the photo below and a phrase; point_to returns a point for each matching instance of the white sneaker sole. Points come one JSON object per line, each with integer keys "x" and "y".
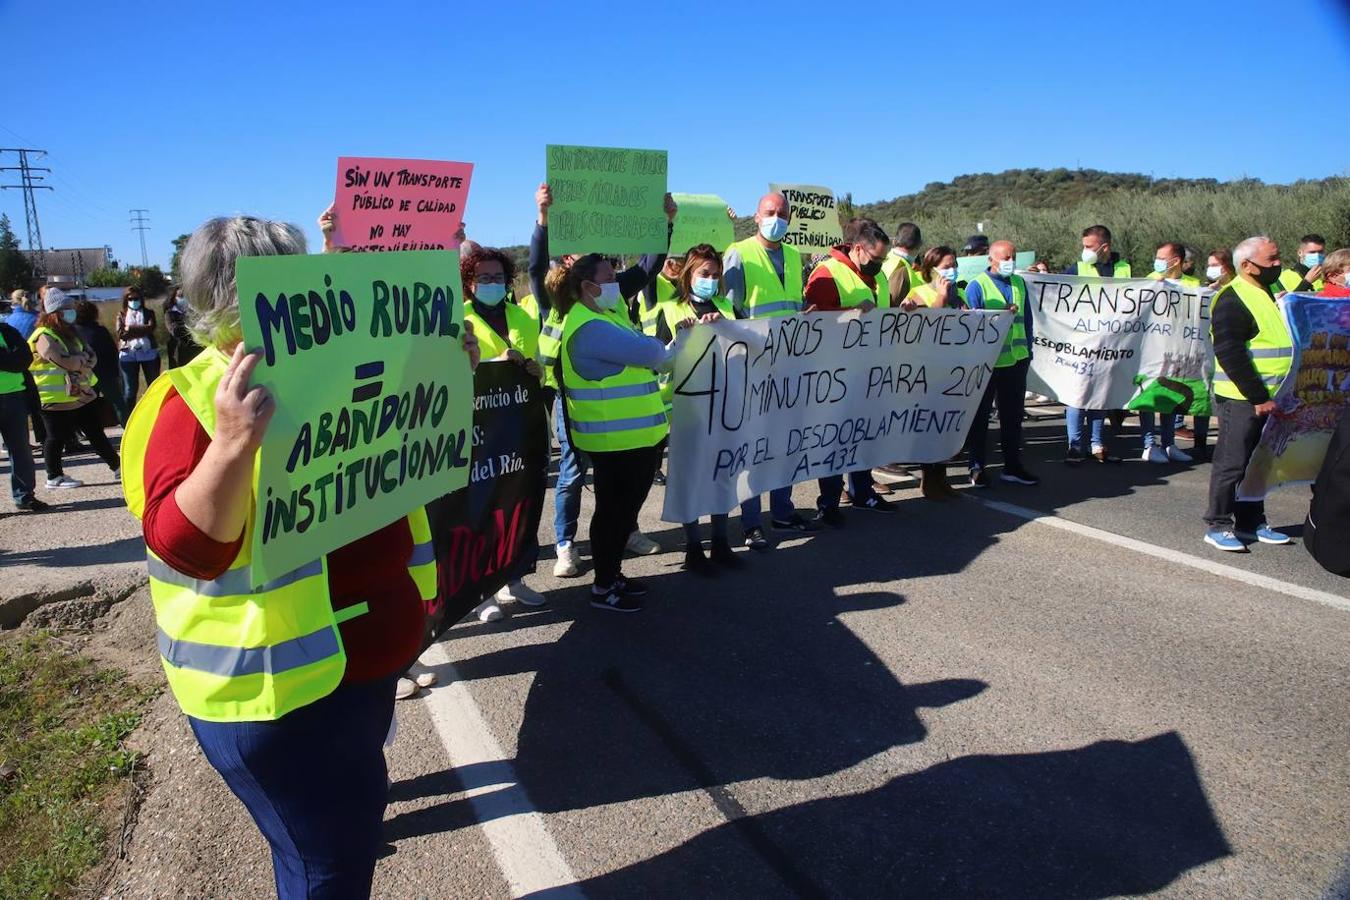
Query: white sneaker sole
{"x": 1217, "y": 546}
{"x": 1247, "y": 535}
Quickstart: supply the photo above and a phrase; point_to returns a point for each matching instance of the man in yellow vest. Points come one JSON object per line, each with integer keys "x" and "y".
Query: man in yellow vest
{"x": 1169, "y": 264}
{"x": 1253, "y": 351}
{"x": 1097, "y": 261}
{"x": 899, "y": 267}
{"x": 1306, "y": 275}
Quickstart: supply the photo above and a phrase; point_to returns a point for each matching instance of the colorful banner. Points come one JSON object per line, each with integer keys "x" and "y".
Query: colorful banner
{"x": 702, "y": 219}
{"x": 488, "y": 533}
{"x": 373, "y": 395}
{"x": 1096, "y": 339}
{"x": 764, "y": 403}
{"x": 400, "y": 204}
{"x": 606, "y": 200}
{"x": 815, "y": 218}
{"x": 1310, "y": 401}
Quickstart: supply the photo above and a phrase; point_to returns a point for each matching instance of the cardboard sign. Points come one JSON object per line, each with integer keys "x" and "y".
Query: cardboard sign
{"x": 702, "y": 219}
{"x": 400, "y": 204}
{"x": 815, "y": 219}
{"x": 606, "y": 200}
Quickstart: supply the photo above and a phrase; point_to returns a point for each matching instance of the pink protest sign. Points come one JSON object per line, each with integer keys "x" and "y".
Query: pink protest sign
{"x": 399, "y": 204}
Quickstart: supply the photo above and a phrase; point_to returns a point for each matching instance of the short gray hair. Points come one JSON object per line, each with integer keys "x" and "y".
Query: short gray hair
{"x": 1245, "y": 250}
{"x": 208, "y": 270}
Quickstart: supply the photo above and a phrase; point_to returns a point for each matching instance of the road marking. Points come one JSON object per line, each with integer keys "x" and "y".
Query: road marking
{"x": 525, "y": 851}
{"x": 1174, "y": 556}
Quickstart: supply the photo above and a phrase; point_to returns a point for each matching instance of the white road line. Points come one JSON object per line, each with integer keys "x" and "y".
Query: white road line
{"x": 1174, "y": 556}
{"x": 525, "y": 851}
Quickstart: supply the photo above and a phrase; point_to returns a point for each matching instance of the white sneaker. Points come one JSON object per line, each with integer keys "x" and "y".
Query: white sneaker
{"x": 641, "y": 545}
{"x": 65, "y": 481}
{"x": 489, "y": 611}
{"x": 566, "y": 565}
{"x": 1154, "y": 454}
{"x": 406, "y": 690}
{"x": 517, "y": 591}
{"x": 1176, "y": 454}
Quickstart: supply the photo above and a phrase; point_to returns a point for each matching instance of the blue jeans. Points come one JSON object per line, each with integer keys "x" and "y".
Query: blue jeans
{"x": 131, "y": 370}
{"x": 780, "y": 507}
{"x": 1168, "y": 429}
{"x": 831, "y": 486}
{"x": 14, "y": 434}
{"x": 572, "y": 467}
{"x": 314, "y": 783}
{"x": 1073, "y": 419}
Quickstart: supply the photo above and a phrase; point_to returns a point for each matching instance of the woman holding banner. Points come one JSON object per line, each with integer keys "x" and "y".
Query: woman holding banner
{"x": 697, "y": 295}
{"x": 938, "y": 290}
{"x": 288, "y": 687}
{"x": 612, "y": 412}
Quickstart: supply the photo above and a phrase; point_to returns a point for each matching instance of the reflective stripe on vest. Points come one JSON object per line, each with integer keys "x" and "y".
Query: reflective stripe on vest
{"x": 853, "y": 291}
{"x": 233, "y": 662}
{"x": 765, "y": 295}
{"x": 621, "y": 412}
{"x": 1271, "y": 350}
{"x": 550, "y": 346}
{"x": 1015, "y": 345}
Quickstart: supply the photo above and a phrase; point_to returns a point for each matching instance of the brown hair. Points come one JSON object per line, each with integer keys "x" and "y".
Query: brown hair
{"x": 696, "y": 256}
{"x": 53, "y": 321}
{"x": 468, "y": 265}
{"x": 931, "y": 260}
{"x": 1225, "y": 258}
{"x": 129, "y": 293}
{"x": 86, "y": 313}
{"x": 564, "y": 280}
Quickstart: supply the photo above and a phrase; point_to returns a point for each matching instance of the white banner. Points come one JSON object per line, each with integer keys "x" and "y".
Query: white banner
{"x": 1095, "y": 338}
{"x": 760, "y": 404}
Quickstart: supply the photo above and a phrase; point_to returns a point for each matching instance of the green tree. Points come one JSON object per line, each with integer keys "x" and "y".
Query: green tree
{"x": 15, "y": 269}
{"x": 104, "y": 278}
{"x": 178, "y": 244}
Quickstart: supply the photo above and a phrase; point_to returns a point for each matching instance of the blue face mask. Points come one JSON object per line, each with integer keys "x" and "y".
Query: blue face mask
{"x": 773, "y": 228}
{"x": 704, "y": 288}
{"x": 1159, "y": 265}
{"x": 489, "y": 294}
{"x": 1312, "y": 260}
{"x": 134, "y": 304}
{"x": 949, "y": 274}
{"x": 1007, "y": 267}
{"x": 69, "y": 316}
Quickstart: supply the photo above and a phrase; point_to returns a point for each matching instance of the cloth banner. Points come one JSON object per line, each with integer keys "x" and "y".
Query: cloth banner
{"x": 760, "y": 404}
{"x": 1309, "y": 402}
{"x": 1098, "y": 342}
{"x": 488, "y": 533}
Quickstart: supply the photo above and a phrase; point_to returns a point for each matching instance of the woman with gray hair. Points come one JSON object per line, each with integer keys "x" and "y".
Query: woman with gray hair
{"x": 288, "y": 686}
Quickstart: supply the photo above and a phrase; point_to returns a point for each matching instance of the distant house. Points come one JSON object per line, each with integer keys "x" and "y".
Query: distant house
{"x": 68, "y": 267}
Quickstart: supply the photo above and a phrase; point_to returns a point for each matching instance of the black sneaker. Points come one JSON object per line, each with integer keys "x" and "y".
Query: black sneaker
{"x": 722, "y": 555}
{"x": 796, "y": 522}
{"x": 831, "y": 517}
{"x": 34, "y": 505}
{"x": 978, "y": 478}
{"x": 876, "y": 504}
{"x": 630, "y": 587}
{"x": 612, "y": 601}
{"x": 659, "y": 478}
{"x": 1074, "y": 457}
{"x": 1018, "y": 475}
{"x": 755, "y": 540}
{"x": 696, "y": 562}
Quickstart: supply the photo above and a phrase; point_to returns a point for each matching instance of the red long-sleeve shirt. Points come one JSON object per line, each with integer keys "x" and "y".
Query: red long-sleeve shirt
{"x": 821, "y": 291}
{"x": 373, "y": 569}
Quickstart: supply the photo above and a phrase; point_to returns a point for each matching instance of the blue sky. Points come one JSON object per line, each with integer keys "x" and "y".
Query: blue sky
{"x": 192, "y": 110}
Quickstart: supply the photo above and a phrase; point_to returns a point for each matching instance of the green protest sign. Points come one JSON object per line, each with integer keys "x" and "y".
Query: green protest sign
{"x": 374, "y": 397}
{"x": 606, "y": 200}
{"x": 967, "y": 267}
{"x": 702, "y": 219}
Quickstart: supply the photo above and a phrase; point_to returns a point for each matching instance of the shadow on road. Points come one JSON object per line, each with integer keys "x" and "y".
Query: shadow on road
{"x": 129, "y": 549}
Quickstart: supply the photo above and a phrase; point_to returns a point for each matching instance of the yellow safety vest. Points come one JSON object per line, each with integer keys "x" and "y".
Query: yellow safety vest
{"x": 765, "y": 295}
{"x": 522, "y": 334}
{"x": 1187, "y": 280}
{"x": 675, "y": 311}
{"x": 665, "y": 292}
{"x": 1121, "y": 269}
{"x": 232, "y": 652}
{"x": 1271, "y": 350}
{"x": 621, "y": 412}
{"x": 927, "y": 294}
{"x": 853, "y": 291}
{"x": 1290, "y": 280}
{"x": 53, "y": 382}
{"x": 1015, "y": 345}
{"x": 895, "y": 261}
{"x": 531, "y": 306}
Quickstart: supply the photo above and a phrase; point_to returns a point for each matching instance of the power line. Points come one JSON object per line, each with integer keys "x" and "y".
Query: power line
{"x": 140, "y": 223}
{"x": 28, "y": 183}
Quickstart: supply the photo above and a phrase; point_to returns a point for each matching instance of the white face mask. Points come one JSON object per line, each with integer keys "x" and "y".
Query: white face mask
{"x": 610, "y": 297}
{"x": 1090, "y": 256}
{"x": 773, "y": 228}
{"x": 949, "y": 274}
{"x": 1214, "y": 273}
{"x": 1007, "y": 267}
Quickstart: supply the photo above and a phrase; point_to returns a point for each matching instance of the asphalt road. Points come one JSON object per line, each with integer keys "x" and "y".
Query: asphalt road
{"x": 957, "y": 700}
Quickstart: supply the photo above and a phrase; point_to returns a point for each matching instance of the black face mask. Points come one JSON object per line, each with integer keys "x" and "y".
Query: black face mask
{"x": 1267, "y": 275}
{"x": 870, "y": 269}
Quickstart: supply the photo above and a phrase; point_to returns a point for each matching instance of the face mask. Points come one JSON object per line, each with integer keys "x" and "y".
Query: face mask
{"x": 773, "y": 228}
{"x": 1312, "y": 260}
{"x": 1160, "y": 266}
{"x": 134, "y": 304}
{"x": 609, "y": 296}
{"x": 870, "y": 269}
{"x": 704, "y": 288}
{"x": 949, "y": 274}
{"x": 903, "y": 255}
{"x": 1007, "y": 267}
{"x": 1267, "y": 275}
{"x": 1214, "y": 273}
{"x": 1090, "y": 257}
{"x": 69, "y": 316}
{"x": 489, "y": 294}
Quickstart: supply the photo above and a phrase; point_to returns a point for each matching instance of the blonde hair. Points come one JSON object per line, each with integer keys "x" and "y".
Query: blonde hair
{"x": 208, "y": 270}
{"x": 1337, "y": 261}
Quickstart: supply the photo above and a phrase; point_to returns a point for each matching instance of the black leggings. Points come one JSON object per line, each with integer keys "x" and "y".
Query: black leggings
{"x": 622, "y": 479}
{"x": 62, "y": 424}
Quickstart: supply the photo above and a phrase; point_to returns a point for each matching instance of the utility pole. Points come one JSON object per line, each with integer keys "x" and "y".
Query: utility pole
{"x": 140, "y": 223}
{"x": 28, "y": 183}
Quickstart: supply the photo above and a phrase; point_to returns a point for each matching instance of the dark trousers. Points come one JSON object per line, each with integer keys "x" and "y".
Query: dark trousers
{"x": 62, "y": 426}
{"x": 621, "y": 479}
{"x": 1239, "y": 430}
{"x": 131, "y": 370}
{"x": 314, "y": 783}
{"x": 860, "y": 489}
{"x": 35, "y": 409}
{"x": 1009, "y": 386}
{"x": 14, "y": 434}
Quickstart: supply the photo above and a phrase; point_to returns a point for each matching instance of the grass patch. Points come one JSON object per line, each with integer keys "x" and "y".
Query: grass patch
{"x": 62, "y": 727}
